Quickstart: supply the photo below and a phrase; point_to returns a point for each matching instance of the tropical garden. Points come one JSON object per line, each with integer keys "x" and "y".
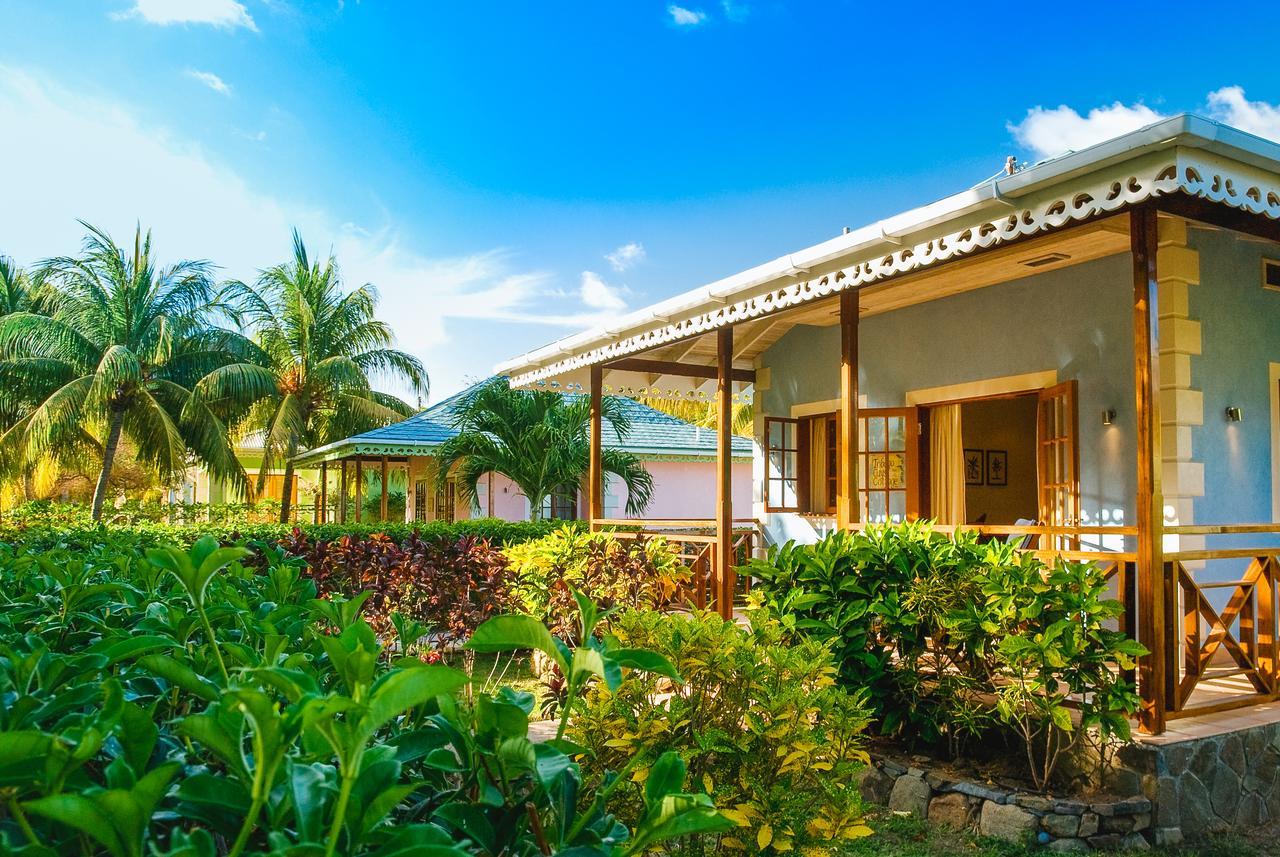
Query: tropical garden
{"x": 241, "y": 686}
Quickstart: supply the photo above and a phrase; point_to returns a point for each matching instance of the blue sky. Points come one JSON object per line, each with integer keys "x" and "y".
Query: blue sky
{"x": 510, "y": 173}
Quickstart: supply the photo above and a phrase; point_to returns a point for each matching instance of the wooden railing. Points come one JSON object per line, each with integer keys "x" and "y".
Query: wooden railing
{"x": 695, "y": 544}
{"x": 1222, "y": 657}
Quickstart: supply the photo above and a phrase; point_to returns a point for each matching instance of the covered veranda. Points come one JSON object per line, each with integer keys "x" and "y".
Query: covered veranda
{"x": 1134, "y": 196}
{"x": 356, "y": 486}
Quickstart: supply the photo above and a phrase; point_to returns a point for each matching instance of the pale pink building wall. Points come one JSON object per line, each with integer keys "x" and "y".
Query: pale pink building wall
{"x": 682, "y": 489}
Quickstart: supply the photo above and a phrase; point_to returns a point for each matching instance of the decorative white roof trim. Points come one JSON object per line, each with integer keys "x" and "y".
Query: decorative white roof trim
{"x": 1107, "y": 192}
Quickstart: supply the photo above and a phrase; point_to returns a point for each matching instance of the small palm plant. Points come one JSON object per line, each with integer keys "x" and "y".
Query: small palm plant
{"x": 310, "y": 383}
{"x": 537, "y": 440}
{"x": 118, "y": 355}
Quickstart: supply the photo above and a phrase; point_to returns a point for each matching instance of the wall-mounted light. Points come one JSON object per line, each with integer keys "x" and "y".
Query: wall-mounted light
{"x": 1109, "y": 416}
{"x": 1233, "y": 414}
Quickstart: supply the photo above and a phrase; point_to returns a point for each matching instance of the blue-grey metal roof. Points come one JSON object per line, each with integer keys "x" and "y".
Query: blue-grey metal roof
{"x": 653, "y": 434}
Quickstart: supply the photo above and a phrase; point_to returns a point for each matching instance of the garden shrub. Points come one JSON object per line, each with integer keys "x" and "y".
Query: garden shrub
{"x": 762, "y": 724}
{"x": 46, "y": 525}
{"x": 935, "y": 627}
{"x": 450, "y": 585}
{"x": 637, "y": 574}
{"x": 184, "y": 704}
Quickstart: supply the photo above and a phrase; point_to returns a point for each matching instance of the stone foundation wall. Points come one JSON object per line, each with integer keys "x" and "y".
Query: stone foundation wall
{"x": 1212, "y": 784}
{"x": 1061, "y": 825}
{"x": 1163, "y": 793}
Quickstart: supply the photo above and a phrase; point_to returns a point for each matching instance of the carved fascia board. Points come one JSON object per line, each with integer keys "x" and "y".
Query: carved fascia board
{"x": 1102, "y": 192}
{"x": 1228, "y": 182}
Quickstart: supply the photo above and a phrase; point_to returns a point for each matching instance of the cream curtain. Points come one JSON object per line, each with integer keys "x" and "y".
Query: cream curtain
{"x": 818, "y": 465}
{"x": 946, "y": 465}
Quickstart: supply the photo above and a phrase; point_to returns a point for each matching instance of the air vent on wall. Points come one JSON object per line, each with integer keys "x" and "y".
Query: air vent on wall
{"x": 1046, "y": 259}
{"x": 1271, "y": 273}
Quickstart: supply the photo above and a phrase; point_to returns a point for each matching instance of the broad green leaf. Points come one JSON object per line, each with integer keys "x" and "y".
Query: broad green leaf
{"x": 514, "y": 633}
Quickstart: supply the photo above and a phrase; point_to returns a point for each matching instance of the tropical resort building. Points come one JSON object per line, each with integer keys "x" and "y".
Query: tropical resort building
{"x": 1082, "y": 355}
{"x": 397, "y": 463}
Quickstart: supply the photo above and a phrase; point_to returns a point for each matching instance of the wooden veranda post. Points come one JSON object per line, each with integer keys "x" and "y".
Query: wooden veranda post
{"x": 1153, "y": 668}
{"x": 847, "y": 506}
{"x": 383, "y": 508}
{"x": 322, "y": 506}
{"x": 342, "y": 494}
{"x": 359, "y": 482}
{"x": 724, "y": 473}
{"x": 595, "y": 469}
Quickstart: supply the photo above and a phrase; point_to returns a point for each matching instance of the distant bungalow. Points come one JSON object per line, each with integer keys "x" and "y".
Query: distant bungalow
{"x": 678, "y": 455}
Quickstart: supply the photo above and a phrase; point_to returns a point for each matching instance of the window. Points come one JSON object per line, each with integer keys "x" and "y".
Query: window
{"x": 420, "y": 500}
{"x": 446, "y": 501}
{"x": 561, "y": 505}
{"x": 1271, "y": 274}
{"x": 886, "y": 464}
{"x": 782, "y": 465}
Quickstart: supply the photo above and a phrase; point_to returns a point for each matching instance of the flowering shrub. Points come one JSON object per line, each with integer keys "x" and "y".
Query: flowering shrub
{"x": 763, "y": 726}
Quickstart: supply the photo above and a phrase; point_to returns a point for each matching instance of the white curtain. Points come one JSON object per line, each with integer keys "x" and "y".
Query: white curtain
{"x": 946, "y": 465}
{"x": 818, "y": 465}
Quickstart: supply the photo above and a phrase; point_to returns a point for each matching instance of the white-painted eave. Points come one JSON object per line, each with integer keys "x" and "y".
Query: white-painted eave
{"x": 993, "y": 196}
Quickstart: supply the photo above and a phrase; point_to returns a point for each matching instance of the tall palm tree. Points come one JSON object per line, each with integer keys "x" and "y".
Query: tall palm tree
{"x": 537, "y": 440}
{"x": 318, "y": 346}
{"x": 704, "y": 414}
{"x": 125, "y": 343}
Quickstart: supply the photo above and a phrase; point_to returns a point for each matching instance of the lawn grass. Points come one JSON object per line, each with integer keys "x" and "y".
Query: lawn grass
{"x": 898, "y": 836}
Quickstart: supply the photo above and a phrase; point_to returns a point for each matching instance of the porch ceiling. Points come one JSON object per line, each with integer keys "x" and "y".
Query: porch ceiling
{"x": 1107, "y": 237}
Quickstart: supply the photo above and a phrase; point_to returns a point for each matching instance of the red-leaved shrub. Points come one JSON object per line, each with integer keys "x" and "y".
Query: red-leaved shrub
{"x": 452, "y": 585}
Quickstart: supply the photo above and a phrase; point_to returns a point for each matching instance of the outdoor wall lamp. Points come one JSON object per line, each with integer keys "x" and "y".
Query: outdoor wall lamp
{"x": 1109, "y": 416}
{"x": 1233, "y": 414}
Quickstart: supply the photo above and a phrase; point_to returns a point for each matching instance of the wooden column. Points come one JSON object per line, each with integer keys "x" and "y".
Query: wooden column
{"x": 342, "y": 494}
{"x": 1152, "y": 631}
{"x": 595, "y": 468}
{"x": 322, "y": 501}
{"x": 359, "y": 484}
{"x": 383, "y": 510}
{"x": 724, "y": 473}
{"x": 848, "y": 510}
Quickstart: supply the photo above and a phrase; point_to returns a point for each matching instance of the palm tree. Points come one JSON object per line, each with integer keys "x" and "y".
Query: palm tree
{"x": 318, "y": 346}
{"x": 539, "y": 441}
{"x": 125, "y": 343}
{"x": 704, "y": 415}
{"x": 19, "y": 291}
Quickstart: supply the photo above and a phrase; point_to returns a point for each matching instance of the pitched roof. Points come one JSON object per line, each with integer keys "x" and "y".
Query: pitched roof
{"x": 653, "y": 434}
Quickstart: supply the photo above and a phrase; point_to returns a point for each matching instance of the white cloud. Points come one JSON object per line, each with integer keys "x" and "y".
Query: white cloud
{"x": 598, "y": 294}
{"x": 1052, "y": 131}
{"x": 218, "y": 13}
{"x": 735, "y": 11}
{"x": 210, "y": 80}
{"x": 88, "y": 158}
{"x": 625, "y": 256}
{"x": 1229, "y": 105}
{"x": 683, "y": 17}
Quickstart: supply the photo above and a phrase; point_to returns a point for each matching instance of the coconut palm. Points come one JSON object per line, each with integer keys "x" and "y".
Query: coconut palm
{"x": 318, "y": 348}
{"x": 117, "y": 357}
{"x": 537, "y": 440}
{"x": 705, "y": 414}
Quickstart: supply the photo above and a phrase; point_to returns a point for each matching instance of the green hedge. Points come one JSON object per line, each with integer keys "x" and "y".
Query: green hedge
{"x": 145, "y": 533}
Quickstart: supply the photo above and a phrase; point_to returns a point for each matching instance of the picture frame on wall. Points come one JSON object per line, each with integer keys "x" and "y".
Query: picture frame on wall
{"x": 997, "y": 467}
{"x": 974, "y": 467}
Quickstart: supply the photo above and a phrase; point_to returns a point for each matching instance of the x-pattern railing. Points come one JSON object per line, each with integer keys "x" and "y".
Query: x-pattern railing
{"x": 1244, "y": 630}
